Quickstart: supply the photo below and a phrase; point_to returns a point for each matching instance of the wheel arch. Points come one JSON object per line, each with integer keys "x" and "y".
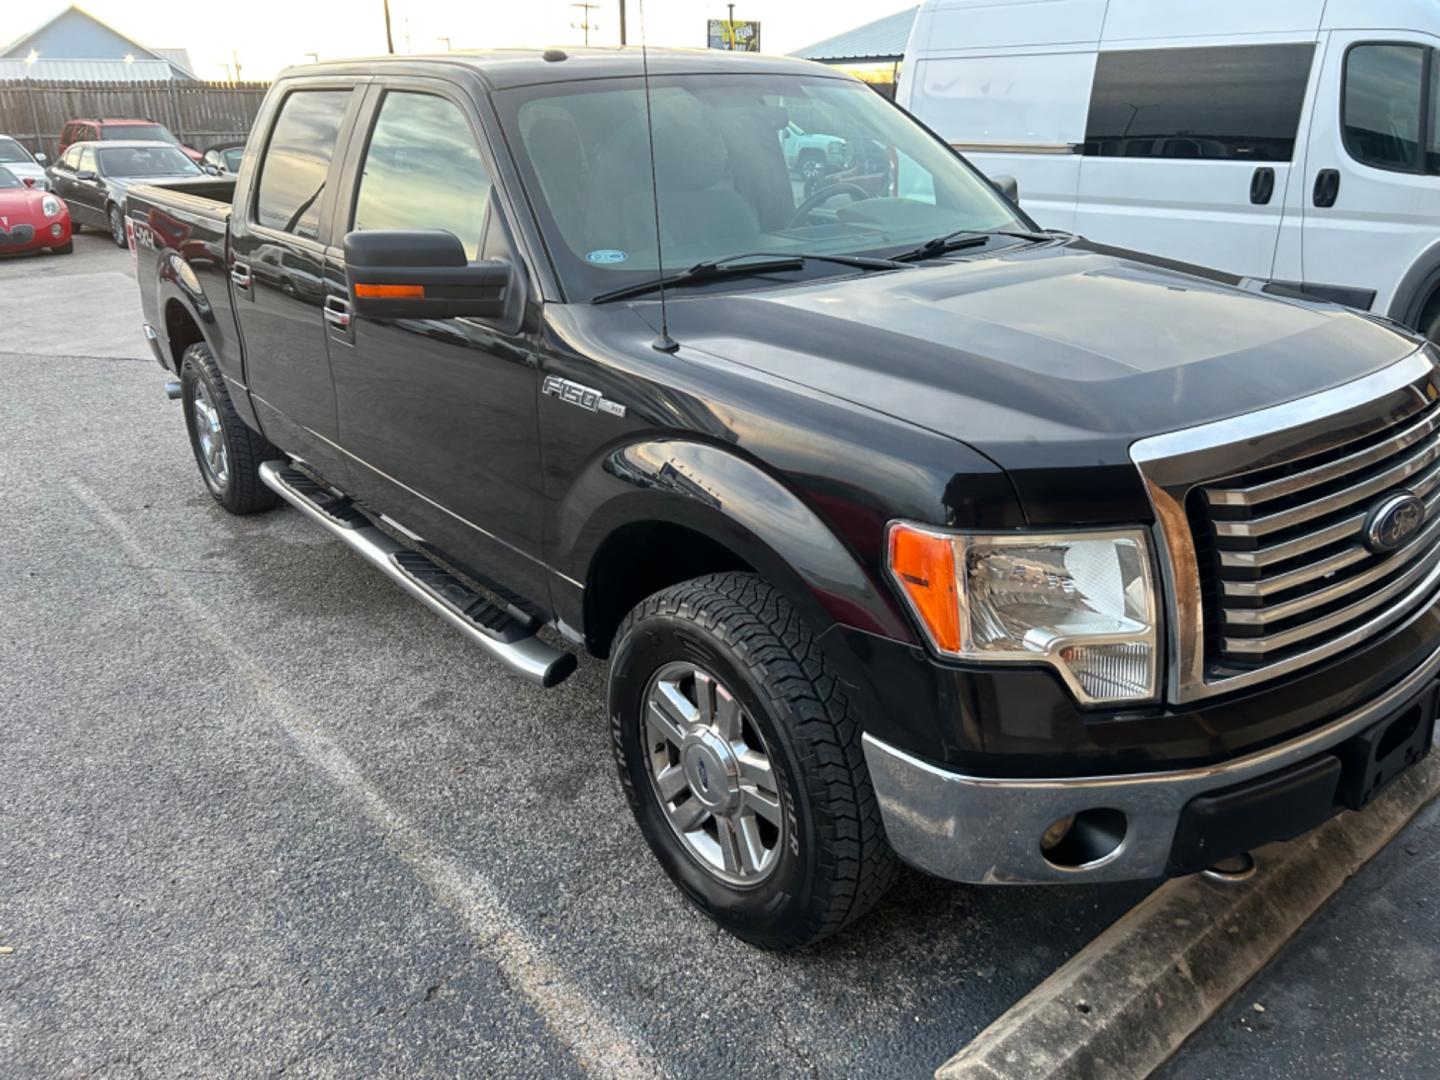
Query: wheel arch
{"x": 1419, "y": 286}
{"x": 656, "y": 513}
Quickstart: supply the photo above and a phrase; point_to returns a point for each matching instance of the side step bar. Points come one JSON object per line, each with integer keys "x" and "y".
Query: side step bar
{"x": 488, "y": 626}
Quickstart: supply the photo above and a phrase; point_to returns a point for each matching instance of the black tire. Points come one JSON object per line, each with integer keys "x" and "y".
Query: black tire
{"x": 75, "y": 227}
{"x": 64, "y": 249}
{"x": 1430, "y": 319}
{"x": 834, "y": 862}
{"x": 241, "y": 490}
{"x": 117, "y": 226}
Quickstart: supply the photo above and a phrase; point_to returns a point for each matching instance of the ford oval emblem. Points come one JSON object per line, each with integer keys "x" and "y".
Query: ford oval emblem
{"x": 1394, "y": 522}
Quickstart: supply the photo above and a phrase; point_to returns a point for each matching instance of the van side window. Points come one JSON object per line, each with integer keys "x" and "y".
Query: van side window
{"x": 1381, "y": 103}
{"x": 1217, "y": 102}
{"x": 297, "y": 159}
{"x": 423, "y": 171}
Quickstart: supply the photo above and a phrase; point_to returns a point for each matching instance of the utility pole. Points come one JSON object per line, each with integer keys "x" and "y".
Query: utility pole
{"x": 622, "y": 22}
{"x": 585, "y": 23}
{"x": 389, "y": 40}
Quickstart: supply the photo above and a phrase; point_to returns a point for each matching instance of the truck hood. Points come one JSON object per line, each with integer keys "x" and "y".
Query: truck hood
{"x": 1047, "y": 358}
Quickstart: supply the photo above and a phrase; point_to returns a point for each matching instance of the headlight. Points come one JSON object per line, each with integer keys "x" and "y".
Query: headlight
{"x": 50, "y": 206}
{"x": 1083, "y": 603}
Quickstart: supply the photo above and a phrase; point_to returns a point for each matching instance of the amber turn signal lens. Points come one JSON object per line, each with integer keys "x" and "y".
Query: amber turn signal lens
{"x": 923, "y": 564}
{"x": 389, "y": 292}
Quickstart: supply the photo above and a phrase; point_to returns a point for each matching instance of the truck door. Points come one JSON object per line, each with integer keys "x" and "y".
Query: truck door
{"x": 1188, "y": 150}
{"x": 438, "y": 415}
{"x": 1371, "y": 195}
{"x": 276, "y": 265}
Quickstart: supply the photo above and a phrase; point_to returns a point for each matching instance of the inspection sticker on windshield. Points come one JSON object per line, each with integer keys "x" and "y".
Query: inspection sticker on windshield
{"x": 607, "y": 255}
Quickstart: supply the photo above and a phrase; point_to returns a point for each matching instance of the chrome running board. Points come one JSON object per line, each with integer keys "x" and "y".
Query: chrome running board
{"x": 485, "y": 624}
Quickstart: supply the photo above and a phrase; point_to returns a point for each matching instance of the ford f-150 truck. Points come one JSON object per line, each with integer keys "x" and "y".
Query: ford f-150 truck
{"x": 910, "y": 531}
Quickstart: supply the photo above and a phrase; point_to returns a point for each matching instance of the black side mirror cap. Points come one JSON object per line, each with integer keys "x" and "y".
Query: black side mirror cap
{"x": 1008, "y": 187}
{"x": 422, "y": 274}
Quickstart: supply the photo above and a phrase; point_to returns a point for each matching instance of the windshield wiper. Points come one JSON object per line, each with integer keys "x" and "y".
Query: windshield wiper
{"x": 742, "y": 265}
{"x": 966, "y": 238}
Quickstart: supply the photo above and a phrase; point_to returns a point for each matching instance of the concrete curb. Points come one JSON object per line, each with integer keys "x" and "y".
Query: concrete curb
{"x": 1123, "y": 1004}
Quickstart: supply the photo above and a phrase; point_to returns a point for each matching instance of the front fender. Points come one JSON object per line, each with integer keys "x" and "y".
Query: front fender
{"x": 731, "y": 500}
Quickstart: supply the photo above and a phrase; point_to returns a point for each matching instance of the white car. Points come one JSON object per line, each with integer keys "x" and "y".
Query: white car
{"x": 810, "y": 154}
{"x": 26, "y": 167}
{"x": 1291, "y": 142}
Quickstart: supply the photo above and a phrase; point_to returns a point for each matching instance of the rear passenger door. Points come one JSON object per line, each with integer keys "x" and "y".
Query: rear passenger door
{"x": 276, "y": 265}
{"x": 1188, "y": 150}
{"x": 438, "y": 415}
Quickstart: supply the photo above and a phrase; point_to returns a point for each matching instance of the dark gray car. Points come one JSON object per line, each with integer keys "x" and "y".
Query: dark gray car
{"x": 93, "y": 177}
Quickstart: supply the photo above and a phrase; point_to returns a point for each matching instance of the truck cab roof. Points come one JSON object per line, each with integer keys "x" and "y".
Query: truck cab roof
{"x": 501, "y": 69}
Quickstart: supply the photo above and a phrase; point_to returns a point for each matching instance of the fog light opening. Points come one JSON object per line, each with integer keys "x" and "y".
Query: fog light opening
{"x": 57, "y": 229}
{"x": 1083, "y": 840}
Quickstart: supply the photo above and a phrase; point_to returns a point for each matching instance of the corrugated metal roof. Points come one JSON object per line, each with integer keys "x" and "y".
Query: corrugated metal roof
{"x": 87, "y": 70}
{"x": 883, "y": 39}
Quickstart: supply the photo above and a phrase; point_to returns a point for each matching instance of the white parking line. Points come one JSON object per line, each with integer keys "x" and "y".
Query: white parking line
{"x": 603, "y": 1045}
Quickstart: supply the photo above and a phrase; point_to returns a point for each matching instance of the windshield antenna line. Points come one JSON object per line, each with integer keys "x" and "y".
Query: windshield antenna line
{"x": 664, "y": 343}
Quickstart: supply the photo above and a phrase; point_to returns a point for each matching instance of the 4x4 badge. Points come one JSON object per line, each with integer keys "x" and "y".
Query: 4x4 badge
{"x": 586, "y": 397}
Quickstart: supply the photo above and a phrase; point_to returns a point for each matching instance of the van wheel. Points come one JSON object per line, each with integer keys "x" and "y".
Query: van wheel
{"x": 740, "y": 756}
{"x": 1430, "y": 319}
{"x": 228, "y": 453}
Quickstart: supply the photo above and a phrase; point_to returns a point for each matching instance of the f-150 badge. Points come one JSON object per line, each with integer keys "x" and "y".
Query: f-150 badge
{"x": 586, "y": 397}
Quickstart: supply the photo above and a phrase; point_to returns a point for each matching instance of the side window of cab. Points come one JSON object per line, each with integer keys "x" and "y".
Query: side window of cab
{"x": 423, "y": 170}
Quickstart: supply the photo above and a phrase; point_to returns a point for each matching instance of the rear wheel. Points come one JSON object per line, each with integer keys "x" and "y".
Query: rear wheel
{"x": 741, "y": 760}
{"x": 117, "y": 226}
{"x": 228, "y": 452}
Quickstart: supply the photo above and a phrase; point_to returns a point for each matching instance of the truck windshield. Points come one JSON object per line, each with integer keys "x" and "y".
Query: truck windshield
{"x": 759, "y": 163}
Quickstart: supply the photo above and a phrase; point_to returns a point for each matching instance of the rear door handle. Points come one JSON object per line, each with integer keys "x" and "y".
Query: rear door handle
{"x": 1262, "y": 185}
{"x": 1327, "y": 187}
{"x": 240, "y": 276}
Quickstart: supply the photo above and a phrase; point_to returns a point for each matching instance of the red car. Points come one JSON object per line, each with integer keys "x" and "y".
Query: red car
{"x": 31, "y": 219}
{"x": 104, "y": 130}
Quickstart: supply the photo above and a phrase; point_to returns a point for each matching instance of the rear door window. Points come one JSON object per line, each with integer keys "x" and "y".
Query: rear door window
{"x": 297, "y": 161}
{"x": 1217, "y": 102}
{"x": 1381, "y": 105}
{"x": 423, "y": 170}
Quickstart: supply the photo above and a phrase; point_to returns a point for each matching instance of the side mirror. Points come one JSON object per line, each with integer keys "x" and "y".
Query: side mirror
{"x": 41, "y": 157}
{"x": 211, "y": 170}
{"x": 1008, "y": 187}
{"x": 422, "y": 274}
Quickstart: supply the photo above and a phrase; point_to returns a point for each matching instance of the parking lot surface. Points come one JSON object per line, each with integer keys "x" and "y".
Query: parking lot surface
{"x": 1355, "y": 993}
{"x": 263, "y": 813}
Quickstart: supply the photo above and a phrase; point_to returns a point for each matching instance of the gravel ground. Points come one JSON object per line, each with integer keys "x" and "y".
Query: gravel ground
{"x": 261, "y": 813}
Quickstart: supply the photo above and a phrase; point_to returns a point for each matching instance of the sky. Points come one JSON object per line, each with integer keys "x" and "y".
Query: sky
{"x": 273, "y": 34}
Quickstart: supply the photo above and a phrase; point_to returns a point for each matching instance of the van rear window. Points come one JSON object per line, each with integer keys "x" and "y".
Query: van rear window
{"x": 1227, "y": 102}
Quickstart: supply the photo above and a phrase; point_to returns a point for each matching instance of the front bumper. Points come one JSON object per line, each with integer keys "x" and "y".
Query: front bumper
{"x": 988, "y": 829}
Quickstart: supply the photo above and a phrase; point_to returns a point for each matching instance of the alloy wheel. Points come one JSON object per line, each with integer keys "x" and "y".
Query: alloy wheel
{"x": 208, "y": 435}
{"x": 712, "y": 775}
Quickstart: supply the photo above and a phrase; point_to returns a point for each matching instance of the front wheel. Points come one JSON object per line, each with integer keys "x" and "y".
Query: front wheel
{"x": 117, "y": 227}
{"x": 741, "y": 760}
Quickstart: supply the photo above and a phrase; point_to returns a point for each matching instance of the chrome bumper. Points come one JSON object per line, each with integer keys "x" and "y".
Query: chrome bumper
{"x": 987, "y": 830}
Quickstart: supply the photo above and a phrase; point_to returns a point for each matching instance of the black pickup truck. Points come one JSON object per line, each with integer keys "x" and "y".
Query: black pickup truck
{"x": 909, "y": 529}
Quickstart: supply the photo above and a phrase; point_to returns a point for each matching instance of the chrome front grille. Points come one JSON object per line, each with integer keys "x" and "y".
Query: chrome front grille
{"x": 1288, "y": 565}
{"x": 1263, "y": 526}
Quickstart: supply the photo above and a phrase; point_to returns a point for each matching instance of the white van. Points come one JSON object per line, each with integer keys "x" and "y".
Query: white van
{"x": 1296, "y": 141}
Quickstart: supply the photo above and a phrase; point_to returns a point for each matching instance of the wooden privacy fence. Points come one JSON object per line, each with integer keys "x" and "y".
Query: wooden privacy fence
{"x": 200, "y": 113}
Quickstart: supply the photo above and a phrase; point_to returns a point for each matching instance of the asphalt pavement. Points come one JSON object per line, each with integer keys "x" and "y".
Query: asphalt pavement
{"x": 261, "y": 813}
{"x": 1355, "y": 993}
